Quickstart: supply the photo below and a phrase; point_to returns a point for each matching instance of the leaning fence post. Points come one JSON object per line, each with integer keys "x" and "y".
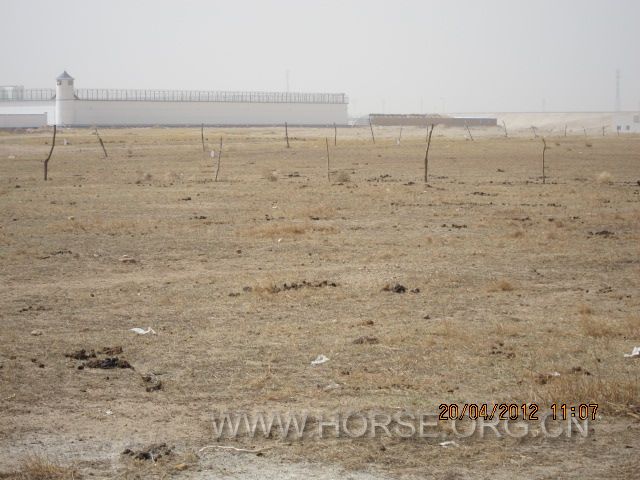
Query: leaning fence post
{"x": 544, "y": 149}
{"x": 286, "y": 133}
{"x": 101, "y": 144}
{"x": 426, "y": 155}
{"x": 219, "y": 160}
{"x": 469, "y": 132}
{"x": 371, "y": 127}
{"x": 46, "y": 162}
{"x": 326, "y": 140}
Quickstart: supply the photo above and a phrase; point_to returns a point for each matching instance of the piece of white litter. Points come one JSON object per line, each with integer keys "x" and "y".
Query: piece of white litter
{"x": 235, "y": 449}
{"x": 108, "y": 412}
{"x": 635, "y": 353}
{"x": 142, "y": 331}
{"x": 212, "y": 154}
{"x": 332, "y": 386}
{"x": 448, "y": 443}
{"x": 320, "y": 359}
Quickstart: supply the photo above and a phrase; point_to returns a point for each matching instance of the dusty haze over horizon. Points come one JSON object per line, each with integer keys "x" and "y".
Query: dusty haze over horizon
{"x": 393, "y": 57}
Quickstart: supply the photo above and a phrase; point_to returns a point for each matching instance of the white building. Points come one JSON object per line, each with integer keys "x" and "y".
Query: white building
{"x": 70, "y": 106}
{"x": 626, "y": 122}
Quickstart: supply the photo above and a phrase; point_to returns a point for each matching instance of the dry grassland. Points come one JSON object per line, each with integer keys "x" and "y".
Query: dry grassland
{"x": 516, "y": 280}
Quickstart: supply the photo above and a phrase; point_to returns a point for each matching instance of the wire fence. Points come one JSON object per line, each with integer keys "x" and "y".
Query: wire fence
{"x": 99, "y": 94}
{"x": 17, "y": 94}
{"x": 208, "y": 96}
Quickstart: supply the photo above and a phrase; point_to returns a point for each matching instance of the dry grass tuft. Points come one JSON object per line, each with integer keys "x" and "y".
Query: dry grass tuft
{"x": 596, "y": 328}
{"x": 39, "y": 468}
{"x": 343, "y": 177}
{"x": 271, "y": 176}
{"x": 289, "y": 229}
{"x": 266, "y": 287}
{"x": 318, "y": 212}
{"x": 144, "y": 177}
{"x": 501, "y": 286}
{"x": 585, "y": 310}
{"x": 615, "y": 396}
{"x": 605, "y": 178}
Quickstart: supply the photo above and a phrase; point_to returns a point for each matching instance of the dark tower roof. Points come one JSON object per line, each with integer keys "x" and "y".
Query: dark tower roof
{"x": 64, "y": 76}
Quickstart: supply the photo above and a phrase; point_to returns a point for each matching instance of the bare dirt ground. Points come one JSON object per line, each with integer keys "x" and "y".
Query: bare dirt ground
{"x": 514, "y": 283}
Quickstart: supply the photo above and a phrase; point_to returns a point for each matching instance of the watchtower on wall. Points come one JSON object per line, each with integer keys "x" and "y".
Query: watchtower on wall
{"x": 64, "y": 99}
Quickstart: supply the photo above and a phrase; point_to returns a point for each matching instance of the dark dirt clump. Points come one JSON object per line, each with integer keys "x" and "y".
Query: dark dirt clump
{"x": 107, "y": 363}
{"x": 397, "y": 288}
{"x": 366, "y": 340}
{"x": 151, "y": 452}
{"x": 81, "y": 354}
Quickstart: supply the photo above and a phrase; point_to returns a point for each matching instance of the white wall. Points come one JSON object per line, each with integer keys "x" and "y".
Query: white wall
{"x": 88, "y": 113}
{"x": 108, "y": 113}
{"x": 18, "y": 120}
{"x": 27, "y": 114}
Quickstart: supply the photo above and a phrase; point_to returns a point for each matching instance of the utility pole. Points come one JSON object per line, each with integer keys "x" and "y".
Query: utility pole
{"x": 617, "y": 90}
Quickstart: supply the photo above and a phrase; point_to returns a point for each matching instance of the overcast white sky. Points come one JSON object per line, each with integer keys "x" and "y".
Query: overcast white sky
{"x": 391, "y": 56}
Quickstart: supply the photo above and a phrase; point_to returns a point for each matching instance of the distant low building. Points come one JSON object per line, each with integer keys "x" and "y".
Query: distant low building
{"x": 69, "y": 106}
{"x": 419, "y": 120}
{"x": 626, "y": 122}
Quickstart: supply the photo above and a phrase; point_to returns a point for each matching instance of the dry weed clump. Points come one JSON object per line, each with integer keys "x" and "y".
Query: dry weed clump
{"x": 501, "y": 286}
{"x": 319, "y": 212}
{"x": 289, "y": 229}
{"x": 40, "y": 468}
{"x": 585, "y": 310}
{"x": 594, "y": 327}
{"x": 605, "y": 178}
{"x": 144, "y": 178}
{"x": 272, "y": 176}
{"x": 613, "y": 395}
{"x": 343, "y": 177}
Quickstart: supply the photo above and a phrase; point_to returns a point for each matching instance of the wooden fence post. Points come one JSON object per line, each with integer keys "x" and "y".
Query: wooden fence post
{"x": 469, "y": 132}
{"x": 286, "y": 133}
{"x": 219, "y": 160}
{"x": 328, "y": 166}
{"x": 46, "y": 162}
{"x": 544, "y": 149}
{"x": 426, "y": 156}
{"x": 101, "y": 144}
{"x": 371, "y": 127}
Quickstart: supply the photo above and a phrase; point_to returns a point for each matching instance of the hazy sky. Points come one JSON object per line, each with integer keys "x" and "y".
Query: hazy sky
{"x": 391, "y": 56}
